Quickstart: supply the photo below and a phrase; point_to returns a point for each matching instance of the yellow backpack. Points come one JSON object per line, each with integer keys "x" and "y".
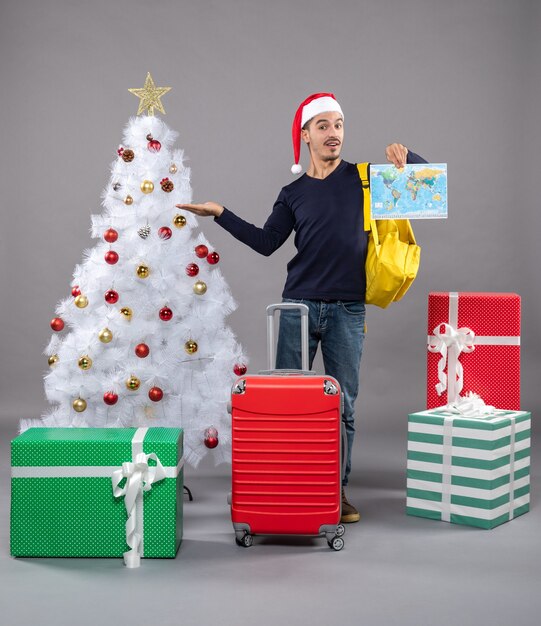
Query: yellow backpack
{"x": 392, "y": 257}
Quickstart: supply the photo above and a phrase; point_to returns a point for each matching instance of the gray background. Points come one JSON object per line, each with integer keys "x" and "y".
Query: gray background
{"x": 458, "y": 82}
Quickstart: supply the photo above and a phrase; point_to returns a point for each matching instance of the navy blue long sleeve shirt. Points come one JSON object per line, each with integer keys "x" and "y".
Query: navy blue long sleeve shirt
{"x": 327, "y": 217}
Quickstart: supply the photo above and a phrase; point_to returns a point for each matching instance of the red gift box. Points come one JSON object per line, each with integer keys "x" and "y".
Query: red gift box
{"x": 474, "y": 345}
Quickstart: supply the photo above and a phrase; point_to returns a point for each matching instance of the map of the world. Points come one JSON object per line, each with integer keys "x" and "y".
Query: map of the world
{"x": 417, "y": 191}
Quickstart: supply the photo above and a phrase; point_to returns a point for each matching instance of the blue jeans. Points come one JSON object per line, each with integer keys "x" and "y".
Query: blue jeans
{"x": 340, "y": 327}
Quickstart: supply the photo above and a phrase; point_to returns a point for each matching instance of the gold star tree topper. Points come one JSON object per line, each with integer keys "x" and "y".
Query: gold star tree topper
{"x": 150, "y": 96}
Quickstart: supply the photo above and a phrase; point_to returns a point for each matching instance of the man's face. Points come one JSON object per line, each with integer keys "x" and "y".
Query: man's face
{"x": 324, "y": 136}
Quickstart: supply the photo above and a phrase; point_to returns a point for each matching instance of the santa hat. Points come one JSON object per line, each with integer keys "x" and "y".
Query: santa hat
{"x": 313, "y": 105}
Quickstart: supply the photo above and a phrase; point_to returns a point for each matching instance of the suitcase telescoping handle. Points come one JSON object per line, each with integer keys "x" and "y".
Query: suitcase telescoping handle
{"x": 271, "y": 309}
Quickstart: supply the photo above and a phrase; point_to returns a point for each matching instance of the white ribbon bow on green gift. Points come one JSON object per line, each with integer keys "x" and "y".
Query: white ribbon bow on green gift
{"x": 140, "y": 477}
{"x": 471, "y": 405}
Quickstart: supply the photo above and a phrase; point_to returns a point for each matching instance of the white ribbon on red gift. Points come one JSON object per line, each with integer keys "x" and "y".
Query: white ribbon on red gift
{"x": 451, "y": 342}
{"x": 140, "y": 477}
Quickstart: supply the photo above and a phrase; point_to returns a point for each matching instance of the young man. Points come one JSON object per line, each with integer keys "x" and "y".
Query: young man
{"x": 325, "y": 208}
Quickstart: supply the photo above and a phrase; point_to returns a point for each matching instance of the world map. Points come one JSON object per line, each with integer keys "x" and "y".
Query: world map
{"x": 416, "y": 191}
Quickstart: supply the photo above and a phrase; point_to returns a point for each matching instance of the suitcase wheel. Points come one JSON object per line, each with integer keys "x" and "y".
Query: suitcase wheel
{"x": 246, "y": 541}
{"x": 340, "y": 530}
{"x": 337, "y": 543}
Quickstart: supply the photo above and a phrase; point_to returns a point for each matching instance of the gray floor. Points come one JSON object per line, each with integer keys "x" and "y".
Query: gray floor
{"x": 394, "y": 569}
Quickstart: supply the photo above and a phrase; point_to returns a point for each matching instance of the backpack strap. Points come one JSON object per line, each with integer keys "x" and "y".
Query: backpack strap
{"x": 365, "y": 183}
{"x": 404, "y": 226}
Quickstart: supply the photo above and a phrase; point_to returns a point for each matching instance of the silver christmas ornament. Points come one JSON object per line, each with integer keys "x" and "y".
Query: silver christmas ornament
{"x": 144, "y": 231}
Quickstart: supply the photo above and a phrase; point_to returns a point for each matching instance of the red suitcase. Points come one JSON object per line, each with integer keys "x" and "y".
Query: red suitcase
{"x": 287, "y": 443}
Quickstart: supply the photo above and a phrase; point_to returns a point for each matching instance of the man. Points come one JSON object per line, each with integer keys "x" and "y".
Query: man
{"x": 325, "y": 208}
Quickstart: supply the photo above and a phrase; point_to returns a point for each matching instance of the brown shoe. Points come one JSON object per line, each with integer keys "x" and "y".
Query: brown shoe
{"x": 349, "y": 512}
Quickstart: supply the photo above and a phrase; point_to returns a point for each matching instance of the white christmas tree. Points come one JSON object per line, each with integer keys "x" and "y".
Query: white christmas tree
{"x": 142, "y": 340}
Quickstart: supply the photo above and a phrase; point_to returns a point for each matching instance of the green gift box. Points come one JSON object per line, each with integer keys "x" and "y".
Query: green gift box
{"x": 94, "y": 492}
{"x": 468, "y": 470}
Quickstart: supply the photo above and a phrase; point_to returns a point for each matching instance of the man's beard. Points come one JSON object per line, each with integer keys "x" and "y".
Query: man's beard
{"x": 331, "y": 157}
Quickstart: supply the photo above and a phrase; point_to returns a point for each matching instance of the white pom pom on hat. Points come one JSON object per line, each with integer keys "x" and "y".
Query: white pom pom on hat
{"x": 313, "y": 105}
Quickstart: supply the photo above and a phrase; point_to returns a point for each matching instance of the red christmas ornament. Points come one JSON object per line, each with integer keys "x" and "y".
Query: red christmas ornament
{"x": 166, "y": 314}
{"x": 165, "y": 232}
{"x": 111, "y": 257}
{"x": 192, "y": 269}
{"x": 211, "y": 437}
{"x": 75, "y": 291}
{"x": 111, "y": 296}
{"x": 153, "y": 144}
{"x": 142, "y": 350}
{"x": 57, "y": 324}
{"x": 201, "y": 251}
{"x": 155, "y": 394}
{"x": 213, "y": 258}
{"x": 110, "y": 398}
{"x": 110, "y": 235}
{"x": 240, "y": 369}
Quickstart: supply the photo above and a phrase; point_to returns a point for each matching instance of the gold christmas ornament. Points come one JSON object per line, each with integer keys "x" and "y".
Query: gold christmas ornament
{"x": 105, "y": 335}
{"x": 81, "y": 301}
{"x": 128, "y": 200}
{"x": 143, "y": 271}
{"x": 147, "y": 186}
{"x": 150, "y": 96}
{"x": 173, "y": 168}
{"x": 126, "y": 312}
{"x": 133, "y": 383}
{"x": 53, "y": 359}
{"x": 200, "y": 288}
{"x": 79, "y": 405}
{"x": 85, "y": 362}
{"x": 179, "y": 221}
{"x": 190, "y": 346}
